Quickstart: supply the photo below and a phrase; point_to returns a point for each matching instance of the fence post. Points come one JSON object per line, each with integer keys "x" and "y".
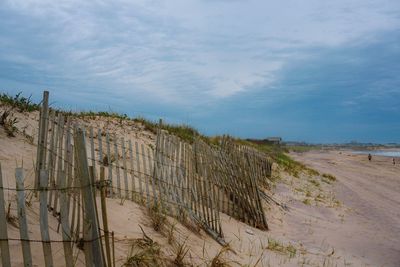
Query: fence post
{"x": 117, "y": 170}
{"x": 50, "y": 165}
{"x": 139, "y": 173}
{"x": 44, "y": 224}
{"x": 42, "y": 137}
{"x": 66, "y": 231}
{"x": 134, "y": 193}
{"x": 59, "y": 163}
{"x": 23, "y": 226}
{"x": 5, "y": 251}
{"x": 93, "y": 255}
{"x": 104, "y": 215}
{"x": 109, "y": 165}
{"x": 125, "y": 168}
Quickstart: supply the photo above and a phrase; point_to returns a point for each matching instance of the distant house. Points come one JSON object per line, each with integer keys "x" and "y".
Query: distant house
{"x": 269, "y": 141}
{"x": 274, "y": 140}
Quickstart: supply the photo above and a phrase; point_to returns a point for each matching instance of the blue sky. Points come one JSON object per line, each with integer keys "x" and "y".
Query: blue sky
{"x": 316, "y": 71}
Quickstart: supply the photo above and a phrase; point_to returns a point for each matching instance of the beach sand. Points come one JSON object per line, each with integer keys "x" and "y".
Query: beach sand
{"x": 370, "y": 190}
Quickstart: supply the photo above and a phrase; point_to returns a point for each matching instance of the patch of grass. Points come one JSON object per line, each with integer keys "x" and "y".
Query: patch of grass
{"x": 312, "y": 172}
{"x": 279, "y": 155}
{"x": 157, "y": 217}
{"x": 28, "y": 137}
{"x": 329, "y": 177}
{"x": 170, "y": 234}
{"x": 275, "y": 245}
{"x": 181, "y": 251}
{"x": 218, "y": 260}
{"x": 9, "y": 123}
{"x": 302, "y": 148}
{"x": 320, "y": 197}
{"x": 315, "y": 182}
{"x": 19, "y": 102}
{"x": 307, "y": 201}
{"x": 144, "y": 252}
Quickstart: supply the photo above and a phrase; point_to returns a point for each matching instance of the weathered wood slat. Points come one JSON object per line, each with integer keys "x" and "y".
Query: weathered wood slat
{"x": 104, "y": 216}
{"x": 59, "y": 162}
{"x": 65, "y": 229}
{"x": 134, "y": 194}
{"x": 153, "y": 186}
{"x": 100, "y": 140}
{"x": 117, "y": 168}
{"x": 125, "y": 166}
{"x": 138, "y": 170}
{"x": 42, "y": 137}
{"x": 44, "y": 224}
{"x": 146, "y": 176}
{"x": 91, "y": 234}
{"x": 52, "y": 155}
{"x": 4, "y": 247}
{"x": 92, "y": 152}
{"x": 110, "y": 176}
{"x": 23, "y": 226}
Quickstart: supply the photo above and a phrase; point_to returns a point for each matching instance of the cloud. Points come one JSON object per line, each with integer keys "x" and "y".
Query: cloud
{"x": 180, "y": 51}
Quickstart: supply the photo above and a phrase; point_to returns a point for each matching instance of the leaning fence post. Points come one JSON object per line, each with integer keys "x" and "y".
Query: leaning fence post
{"x": 23, "y": 226}
{"x": 91, "y": 234}
{"x": 5, "y": 251}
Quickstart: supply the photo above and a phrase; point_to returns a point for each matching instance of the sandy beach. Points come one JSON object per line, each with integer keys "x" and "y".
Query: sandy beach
{"x": 370, "y": 190}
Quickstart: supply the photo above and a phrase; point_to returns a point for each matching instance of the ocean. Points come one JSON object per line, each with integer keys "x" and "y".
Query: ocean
{"x": 385, "y": 153}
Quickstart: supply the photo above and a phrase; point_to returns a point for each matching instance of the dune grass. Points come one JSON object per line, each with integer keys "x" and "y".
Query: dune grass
{"x": 19, "y": 102}
{"x": 275, "y": 245}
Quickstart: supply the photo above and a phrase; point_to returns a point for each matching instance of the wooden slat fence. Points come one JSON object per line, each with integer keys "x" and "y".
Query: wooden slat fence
{"x": 195, "y": 180}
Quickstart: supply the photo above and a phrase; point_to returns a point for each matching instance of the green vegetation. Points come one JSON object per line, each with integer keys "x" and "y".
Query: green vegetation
{"x": 180, "y": 251}
{"x": 279, "y": 247}
{"x": 144, "y": 252}
{"x": 280, "y": 156}
{"x": 157, "y": 217}
{"x": 329, "y": 178}
{"x": 315, "y": 182}
{"x": 218, "y": 260}
{"x": 302, "y": 148}
{"x": 9, "y": 123}
{"x": 185, "y": 132}
{"x": 19, "y": 102}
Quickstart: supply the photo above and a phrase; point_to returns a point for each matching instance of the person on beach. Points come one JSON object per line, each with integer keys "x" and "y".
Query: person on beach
{"x": 369, "y": 157}
{"x": 394, "y": 161}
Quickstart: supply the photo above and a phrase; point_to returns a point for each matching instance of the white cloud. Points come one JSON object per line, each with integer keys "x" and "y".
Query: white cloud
{"x": 179, "y": 51}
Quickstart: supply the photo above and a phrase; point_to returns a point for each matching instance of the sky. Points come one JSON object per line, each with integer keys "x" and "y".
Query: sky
{"x": 314, "y": 71}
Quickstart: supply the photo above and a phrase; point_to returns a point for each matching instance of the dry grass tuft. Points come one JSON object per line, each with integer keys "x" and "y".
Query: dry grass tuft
{"x": 157, "y": 217}
{"x": 218, "y": 260}
{"x": 144, "y": 252}
{"x": 180, "y": 251}
{"x": 9, "y": 123}
{"x": 328, "y": 178}
{"x": 275, "y": 245}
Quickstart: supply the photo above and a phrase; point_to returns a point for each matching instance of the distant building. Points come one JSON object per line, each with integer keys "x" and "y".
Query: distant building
{"x": 274, "y": 140}
{"x": 269, "y": 141}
